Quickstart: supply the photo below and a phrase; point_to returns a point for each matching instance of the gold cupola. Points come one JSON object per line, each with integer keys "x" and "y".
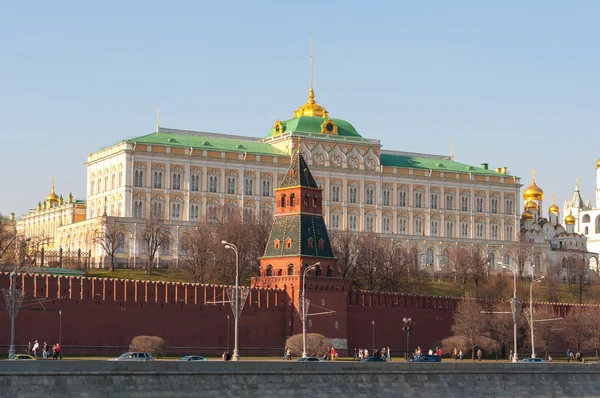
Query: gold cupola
{"x": 553, "y": 208}
{"x": 531, "y": 205}
{"x": 311, "y": 108}
{"x": 533, "y": 192}
{"x": 527, "y": 215}
{"x": 598, "y": 164}
{"x": 52, "y": 197}
{"x": 570, "y": 219}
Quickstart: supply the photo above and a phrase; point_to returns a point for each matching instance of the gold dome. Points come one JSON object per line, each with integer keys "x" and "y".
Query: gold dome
{"x": 598, "y": 164}
{"x": 52, "y": 197}
{"x": 533, "y": 192}
{"x": 554, "y": 208}
{"x": 311, "y": 108}
{"x": 531, "y": 205}
{"x": 570, "y": 220}
{"x": 527, "y": 215}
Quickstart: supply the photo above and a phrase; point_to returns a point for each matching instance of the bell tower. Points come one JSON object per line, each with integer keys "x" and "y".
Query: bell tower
{"x": 299, "y": 240}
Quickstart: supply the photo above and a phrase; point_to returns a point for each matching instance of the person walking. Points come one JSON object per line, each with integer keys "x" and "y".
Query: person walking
{"x": 45, "y": 352}
{"x": 35, "y": 348}
{"x": 28, "y": 348}
{"x": 479, "y": 354}
{"x": 389, "y": 354}
{"x": 288, "y": 354}
{"x": 58, "y": 354}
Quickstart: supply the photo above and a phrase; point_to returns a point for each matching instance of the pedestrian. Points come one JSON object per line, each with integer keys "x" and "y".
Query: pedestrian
{"x": 355, "y": 358}
{"x": 28, "y": 348}
{"x": 366, "y": 352}
{"x": 430, "y": 352}
{"x": 510, "y": 355}
{"x": 332, "y": 353}
{"x": 549, "y": 358}
{"x": 45, "y": 352}
{"x": 439, "y": 352}
{"x": 479, "y": 354}
{"x": 54, "y": 351}
{"x": 568, "y": 355}
{"x": 289, "y": 354}
{"x": 284, "y": 352}
{"x": 461, "y": 355}
{"x": 58, "y": 354}
{"x": 35, "y": 349}
{"x": 360, "y": 354}
{"x": 389, "y": 354}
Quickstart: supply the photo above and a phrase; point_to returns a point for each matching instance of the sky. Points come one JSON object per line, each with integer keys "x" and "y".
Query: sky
{"x": 514, "y": 83}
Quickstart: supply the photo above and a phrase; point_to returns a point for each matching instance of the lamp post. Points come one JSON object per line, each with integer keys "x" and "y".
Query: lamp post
{"x": 406, "y": 329}
{"x": 13, "y": 305}
{"x": 373, "y": 323}
{"x": 515, "y": 314}
{"x": 538, "y": 280}
{"x": 307, "y": 270}
{"x": 236, "y": 352}
{"x": 59, "y": 327}
{"x": 228, "y": 333}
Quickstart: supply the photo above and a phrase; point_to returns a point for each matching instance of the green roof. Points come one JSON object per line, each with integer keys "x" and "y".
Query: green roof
{"x": 398, "y": 160}
{"x": 301, "y": 229}
{"x": 298, "y": 174}
{"x": 312, "y": 124}
{"x": 209, "y": 143}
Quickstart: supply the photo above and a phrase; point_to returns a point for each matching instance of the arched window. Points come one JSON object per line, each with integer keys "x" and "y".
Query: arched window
{"x": 120, "y": 243}
{"x": 315, "y": 201}
{"x": 587, "y": 231}
{"x": 598, "y": 224}
{"x": 276, "y": 244}
{"x": 288, "y": 243}
{"x": 310, "y": 243}
{"x": 291, "y": 269}
{"x": 279, "y": 272}
{"x": 586, "y": 218}
{"x": 321, "y": 244}
{"x": 269, "y": 270}
{"x": 318, "y": 270}
{"x": 282, "y": 200}
{"x": 306, "y": 200}
{"x": 292, "y": 200}
{"x": 329, "y": 271}
{"x": 506, "y": 259}
{"x": 492, "y": 260}
{"x": 429, "y": 255}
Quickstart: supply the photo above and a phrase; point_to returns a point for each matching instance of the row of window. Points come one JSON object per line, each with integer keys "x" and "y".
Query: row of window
{"x": 114, "y": 182}
{"x": 213, "y": 211}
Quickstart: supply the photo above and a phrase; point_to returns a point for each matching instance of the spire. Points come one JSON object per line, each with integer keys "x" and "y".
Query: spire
{"x": 311, "y": 108}
{"x": 298, "y": 174}
{"x": 577, "y": 201}
{"x": 158, "y": 119}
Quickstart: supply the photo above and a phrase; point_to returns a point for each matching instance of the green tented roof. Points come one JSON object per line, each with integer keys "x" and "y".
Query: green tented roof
{"x": 301, "y": 229}
{"x": 312, "y": 124}
{"x": 433, "y": 164}
{"x": 298, "y": 174}
{"x": 207, "y": 143}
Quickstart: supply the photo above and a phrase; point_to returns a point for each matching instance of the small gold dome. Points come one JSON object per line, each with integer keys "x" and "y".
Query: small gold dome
{"x": 311, "y": 108}
{"x": 554, "y": 209}
{"x": 531, "y": 205}
{"x": 527, "y": 215}
{"x": 53, "y": 197}
{"x": 598, "y": 164}
{"x": 533, "y": 192}
{"x": 570, "y": 220}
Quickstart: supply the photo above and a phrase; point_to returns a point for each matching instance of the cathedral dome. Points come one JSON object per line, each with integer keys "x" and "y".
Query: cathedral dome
{"x": 598, "y": 164}
{"x": 533, "y": 192}
{"x": 570, "y": 219}
{"x": 554, "y": 209}
{"x": 52, "y": 197}
{"x": 531, "y": 205}
{"x": 527, "y": 215}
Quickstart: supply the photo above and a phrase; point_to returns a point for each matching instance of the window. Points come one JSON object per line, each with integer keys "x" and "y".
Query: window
{"x": 157, "y": 208}
{"x": 418, "y": 199}
{"x": 464, "y": 230}
{"x": 138, "y": 178}
{"x": 352, "y": 222}
{"x": 195, "y": 183}
{"x": 418, "y": 226}
{"x": 292, "y": 199}
{"x": 138, "y": 209}
{"x": 369, "y": 194}
{"x": 106, "y": 186}
{"x": 509, "y": 206}
{"x": 434, "y": 200}
{"x": 494, "y": 205}
{"x": 230, "y": 185}
{"x": 386, "y": 225}
{"x": 120, "y": 243}
{"x": 229, "y": 213}
{"x": 369, "y": 223}
{"x": 166, "y": 246}
{"x": 597, "y": 222}
{"x": 248, "y": 214}
{"x": 479, "y": 205}
{"x": 321, "y": 244}
{"x": 92, "y": 186}
{"x": 248, "y": 186}
{"x": 479, "y": 231}
{"x": 587, "y": 231}
{"x": 335, "y": 193}
{"x": 212, "y": 213}
{"x": 113, "y": 183}
{"x": 353, "y": 195}
{"x": 387, "y": 194}
{"x": 492, "y": 260}
{"x": 176, "y": 211}
{"x": 506, "y": 259}
{"x": 266, "y": 188}
{"x": 157, "y": 181}
{"x": 291, "y": 269}
{"x": 509, "y": 232}
{"x": 335, "y": 221}
{"x": 402, "y": 199}
{"x": 194, "y": 212}
{"x": 99, "y": 185}
{"x": 91, "y": 213}
{"x": 288, "y": 243}
{"x": 450, "y": 202}
{"x": 464, "y": 203}
{"x": 449, "y": 229}
{"x": 176, "y": 181}
{"x": 402, "y": 223}
{"x": 283, "y": 200}
{"x": 212, "y": 184}
{"x": 429, "y": 256}
{"x": 310, "y": 243}
{"x": 120, "y": 181}
{"x": 494, "y": 231}
{"x": 434, "y": 228}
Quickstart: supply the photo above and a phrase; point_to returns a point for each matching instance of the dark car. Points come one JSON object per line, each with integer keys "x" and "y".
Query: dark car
{"x": 192, "y": 358}
{"x": 373, "y": 359}
{"x": 310, "y": 359}
{"x": 425, "y": 358}
{"x": 533, "y": 360}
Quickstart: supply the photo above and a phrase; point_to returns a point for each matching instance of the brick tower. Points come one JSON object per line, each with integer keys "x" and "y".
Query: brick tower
{"x": 298, "y": 240}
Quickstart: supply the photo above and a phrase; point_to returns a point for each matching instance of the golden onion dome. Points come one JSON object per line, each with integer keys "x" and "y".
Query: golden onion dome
{"x": 533, "y": 192}
{"x": 570, "y": 219}
{"x": 598, "y": 164}
{"x": 531, "y": 205}
{"x": 554, "y": 208}
{"x": 52, "y": 197}
{"x": 311, "y": 108}
{"x": 527, "y": 215}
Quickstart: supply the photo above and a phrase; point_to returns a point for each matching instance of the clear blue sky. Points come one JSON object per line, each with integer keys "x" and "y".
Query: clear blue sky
{"x": 515, "y": 83}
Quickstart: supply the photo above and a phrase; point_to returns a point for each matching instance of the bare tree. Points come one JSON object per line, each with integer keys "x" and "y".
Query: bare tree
{"x": 7, "y": 237}
{"x": 478, "y": 266}
{"x": 371, "y": 261}
{"x": 577, "y": 269}
{"x": 110, "y": 236}
{"x": 471, "y": 325}
{"x": 547, "y": 332}
{"x": 196, "y": 253}
{"x": 154, "y": 234}
{"x": 345, "y": 248}
{"x": 395, "y": 271}
{"x": 522, "y": 251}
{"x": 575, "y": 329}
{"x": 461, "y": 262}
{"x": 593, "y": 326}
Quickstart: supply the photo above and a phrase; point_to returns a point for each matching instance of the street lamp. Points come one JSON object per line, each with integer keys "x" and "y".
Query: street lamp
{"x": 59, "y": 327}
{"x": 514, "y": 308}
{"x": 236, "y": 352}
{"x": 307, "y": 270}
{"x": 13, "y": 305}
{"x": 373, "y": 323}
{"x": 538, "y": 280}
{"x": 227, "y": 333}
{"x": 406, "y": 329}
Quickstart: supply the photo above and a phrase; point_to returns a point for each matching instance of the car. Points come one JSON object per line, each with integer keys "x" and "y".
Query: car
{"x": 425, "y": 358}
{"x": 134, "y": 356}
{"x": 533, "y": 360}
{"x": 373, "y": 359}
{"x": 310, "y": 359}
{"x": 193, "y": 358}
{"x": 20, "y": 357}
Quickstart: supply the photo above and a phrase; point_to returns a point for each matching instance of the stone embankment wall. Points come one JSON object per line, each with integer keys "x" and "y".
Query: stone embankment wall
{"x": 276, "y": 379}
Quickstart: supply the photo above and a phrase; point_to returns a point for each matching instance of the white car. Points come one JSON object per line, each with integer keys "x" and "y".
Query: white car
{"x": 134, "y": 356}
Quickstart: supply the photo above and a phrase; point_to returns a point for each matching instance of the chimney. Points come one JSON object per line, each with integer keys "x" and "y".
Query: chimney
{"x": 485, "y": 166}
{"x": 12, "y": 216}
